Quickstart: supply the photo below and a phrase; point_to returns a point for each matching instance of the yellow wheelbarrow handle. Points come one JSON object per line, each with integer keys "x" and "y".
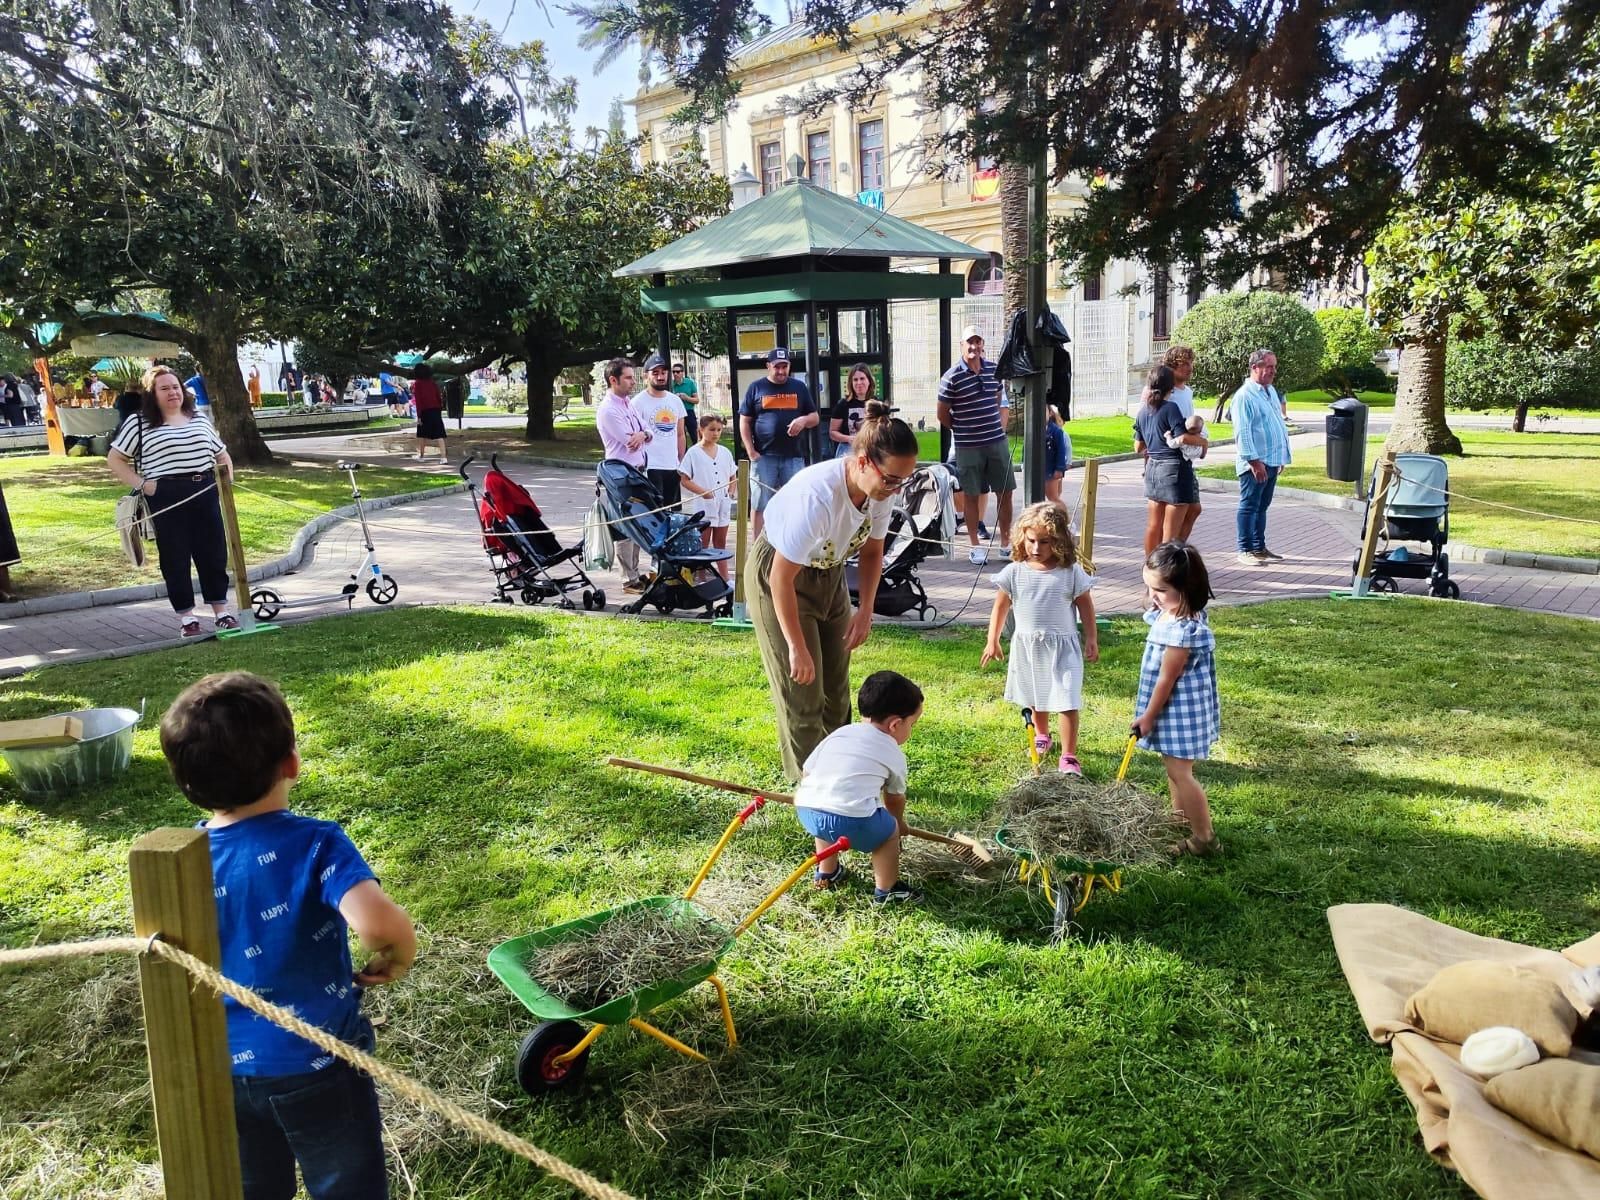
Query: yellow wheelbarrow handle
{"x": 1127, "y": 757}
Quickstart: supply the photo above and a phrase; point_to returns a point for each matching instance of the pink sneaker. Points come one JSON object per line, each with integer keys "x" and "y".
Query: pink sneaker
{"x": 1069, "y": 765}
{"x": 1041, "y": 744}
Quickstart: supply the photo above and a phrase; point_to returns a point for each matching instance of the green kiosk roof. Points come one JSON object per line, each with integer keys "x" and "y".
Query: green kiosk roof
{"x": 798, "y": 220}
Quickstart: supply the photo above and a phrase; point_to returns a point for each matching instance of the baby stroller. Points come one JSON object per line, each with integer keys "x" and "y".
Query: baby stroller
{"x": 916, "y": 532}
{"x": 1418, "y": 510}
{"x": 525, "y": 556}
{"x": 686, "y": 569}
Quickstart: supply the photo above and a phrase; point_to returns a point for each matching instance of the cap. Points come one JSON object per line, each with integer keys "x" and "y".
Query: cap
{"x": 970, "y": 332}
{"x": 778, "y": 354}
{"x": 654, "y": 361}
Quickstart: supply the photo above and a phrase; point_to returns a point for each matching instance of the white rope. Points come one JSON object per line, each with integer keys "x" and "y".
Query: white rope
{"x": 1531, "y": 512}
{"x": 117, "y": 527}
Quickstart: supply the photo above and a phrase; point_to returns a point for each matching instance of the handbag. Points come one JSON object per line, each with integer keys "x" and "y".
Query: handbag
{"x": 133, "y": 513}
{"x": 598, "y": 545}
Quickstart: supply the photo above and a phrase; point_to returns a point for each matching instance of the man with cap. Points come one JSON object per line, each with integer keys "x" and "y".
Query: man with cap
{"x": 972, "y": 403}
{"x": 662, "y": 411}
{"x": 689, "y": 392}
{"x": 773, "y": 420}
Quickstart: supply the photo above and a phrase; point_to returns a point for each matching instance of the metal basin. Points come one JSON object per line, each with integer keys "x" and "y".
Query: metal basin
{"x": 106, "y": 750}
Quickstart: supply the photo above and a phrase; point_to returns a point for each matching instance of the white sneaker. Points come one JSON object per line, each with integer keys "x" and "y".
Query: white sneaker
{"x": 978, "y": 555}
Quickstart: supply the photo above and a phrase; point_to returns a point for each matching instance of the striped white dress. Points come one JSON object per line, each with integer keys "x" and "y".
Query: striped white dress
{"x": 1045, "y": 666}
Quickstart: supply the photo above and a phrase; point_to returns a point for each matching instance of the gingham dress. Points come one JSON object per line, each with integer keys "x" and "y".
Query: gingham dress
{"x": 1192, "y": 720}
{"x": 1044, "y": 670}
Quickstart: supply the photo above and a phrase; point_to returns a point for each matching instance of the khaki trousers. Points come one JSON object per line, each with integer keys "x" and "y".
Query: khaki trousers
{"x": 808, "y": 712}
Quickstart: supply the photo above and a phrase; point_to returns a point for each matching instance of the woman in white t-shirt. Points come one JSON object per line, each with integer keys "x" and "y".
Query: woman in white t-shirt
{"x": 794, "y": 579}
{"x": 172, "y": 456}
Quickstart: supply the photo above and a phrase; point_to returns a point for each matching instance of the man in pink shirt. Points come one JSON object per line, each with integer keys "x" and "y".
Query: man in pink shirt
{"x": 624, "y": 436}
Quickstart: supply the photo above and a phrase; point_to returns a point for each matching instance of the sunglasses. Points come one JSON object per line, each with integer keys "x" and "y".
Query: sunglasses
{"x": 893, "y": 482}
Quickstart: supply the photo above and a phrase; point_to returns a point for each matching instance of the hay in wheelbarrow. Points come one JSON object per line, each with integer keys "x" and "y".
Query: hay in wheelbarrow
{"x": 634, "y": 949}
{"x": 1059, "y": 816}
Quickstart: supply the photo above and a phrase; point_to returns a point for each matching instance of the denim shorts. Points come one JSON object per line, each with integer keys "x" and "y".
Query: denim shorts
{"x": 772, "y": 472}
{"x": 865, "y": 833}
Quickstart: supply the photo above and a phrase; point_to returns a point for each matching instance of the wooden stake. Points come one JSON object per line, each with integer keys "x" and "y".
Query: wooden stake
{"x": 241, "y": 573}
{"x": 741, "y": 535}
{"x": 1091, "y": 492}
{"x": 1360, "y": 585}
{"x": 185, "y": 1029}
{"x": 54, "y": 442}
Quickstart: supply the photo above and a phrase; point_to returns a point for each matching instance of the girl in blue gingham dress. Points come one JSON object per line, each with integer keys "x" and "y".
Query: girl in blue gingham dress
{"x": 1178, "y": 714}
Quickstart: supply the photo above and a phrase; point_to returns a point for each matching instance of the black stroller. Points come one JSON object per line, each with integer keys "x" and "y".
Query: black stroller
{"x": 916, "y": 532}
{"x": 1418, "y": 510}
{"x": 686, "y": 569}
{"x": 525, "y": 556}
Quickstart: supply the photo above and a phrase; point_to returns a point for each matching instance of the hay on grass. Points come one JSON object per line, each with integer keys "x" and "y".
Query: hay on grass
{"x": 1056, "y": 815}
{"x": 631, "y": 950}
{"x": 682, "y": 1101}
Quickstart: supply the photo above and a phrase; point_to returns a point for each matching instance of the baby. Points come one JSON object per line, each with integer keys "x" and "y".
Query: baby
{"x": 1195, "y": 424}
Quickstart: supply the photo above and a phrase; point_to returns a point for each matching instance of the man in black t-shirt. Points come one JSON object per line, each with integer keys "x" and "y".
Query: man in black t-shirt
{"x": 773, "y": 420}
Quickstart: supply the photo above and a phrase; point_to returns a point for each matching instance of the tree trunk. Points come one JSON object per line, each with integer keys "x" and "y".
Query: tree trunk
{"x": 1519, "y": 422}
{"x": 1419, "y": 422}
{"x": 217, "y": 352}
{"x": 1014, "y": 247}
{"x": 542, "y": 372}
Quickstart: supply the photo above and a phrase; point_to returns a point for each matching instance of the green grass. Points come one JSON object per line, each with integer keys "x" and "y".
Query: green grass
{"x": 1557, "y": 473}
{"x": 1196, "y": 1040}
{"x": 1317, "y": 398}
{"x": 1092, "y": 437}
{"x": 56, "y": 503}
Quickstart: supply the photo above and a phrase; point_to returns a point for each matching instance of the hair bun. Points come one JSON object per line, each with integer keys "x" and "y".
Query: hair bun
{"x": 877, "y": 410}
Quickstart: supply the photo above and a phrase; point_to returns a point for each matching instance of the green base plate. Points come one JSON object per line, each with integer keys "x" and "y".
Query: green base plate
{"x": 238, "y": 633}
{"x": 732, "y": 623}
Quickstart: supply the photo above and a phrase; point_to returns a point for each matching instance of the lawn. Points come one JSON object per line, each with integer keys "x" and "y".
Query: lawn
{"x": 57, "y": 503}
{"x": 1557, "y": 473}
{"x": 1316, "y": 398}
{"x": 1092, "y": 437}
{"x": 1197, "y": 1039}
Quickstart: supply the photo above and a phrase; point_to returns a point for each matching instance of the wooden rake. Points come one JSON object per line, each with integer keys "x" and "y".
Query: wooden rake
{"x": 963, "y": 847}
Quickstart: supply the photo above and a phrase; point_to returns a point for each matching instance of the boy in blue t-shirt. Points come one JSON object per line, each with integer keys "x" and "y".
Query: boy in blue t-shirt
{"x": 288, "y": 887}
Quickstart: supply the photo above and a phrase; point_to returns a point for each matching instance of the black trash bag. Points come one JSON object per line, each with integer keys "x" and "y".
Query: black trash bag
{"x": 1052, "y": 330}
{"x": 1016, "y": 359}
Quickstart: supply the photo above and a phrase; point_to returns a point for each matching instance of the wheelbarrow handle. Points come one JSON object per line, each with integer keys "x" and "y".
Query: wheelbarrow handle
{"x": 738, "y": 823}
{"x": 838, "y": 847}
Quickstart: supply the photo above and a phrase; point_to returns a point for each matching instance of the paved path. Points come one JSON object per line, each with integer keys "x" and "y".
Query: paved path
{"x": 432, "y": 549}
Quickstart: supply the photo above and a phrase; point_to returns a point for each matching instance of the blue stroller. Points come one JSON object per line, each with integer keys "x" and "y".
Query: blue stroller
{"x": 1418, "y": 511}
{"x": 686, "y": 569}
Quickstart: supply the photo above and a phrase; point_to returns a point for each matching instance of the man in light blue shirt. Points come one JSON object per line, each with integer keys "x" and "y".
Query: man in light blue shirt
{"x": 1262, "y": 445}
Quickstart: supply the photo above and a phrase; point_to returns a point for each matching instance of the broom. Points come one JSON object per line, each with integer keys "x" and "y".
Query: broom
{"x": 967, "y": 849}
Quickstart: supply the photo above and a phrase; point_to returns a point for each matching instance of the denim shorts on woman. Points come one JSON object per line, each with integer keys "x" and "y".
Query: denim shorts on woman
{"x": 865, "y": 833}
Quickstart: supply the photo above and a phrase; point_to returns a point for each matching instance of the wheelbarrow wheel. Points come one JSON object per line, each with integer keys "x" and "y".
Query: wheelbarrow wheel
{"x": 538, "y": 1073}
{"x": 1069, "y": 894}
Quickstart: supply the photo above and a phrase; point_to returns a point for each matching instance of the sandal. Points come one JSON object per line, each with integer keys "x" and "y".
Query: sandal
{"x": 227, "y": 621}
{"x": 1193, "y": 847}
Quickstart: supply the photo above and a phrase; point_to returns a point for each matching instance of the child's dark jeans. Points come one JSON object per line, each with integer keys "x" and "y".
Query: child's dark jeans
{"x": 327, "y": 1121}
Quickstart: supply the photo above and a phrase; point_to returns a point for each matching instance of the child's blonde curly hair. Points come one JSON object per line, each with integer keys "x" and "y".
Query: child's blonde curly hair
{"x": 1049, "y": 519}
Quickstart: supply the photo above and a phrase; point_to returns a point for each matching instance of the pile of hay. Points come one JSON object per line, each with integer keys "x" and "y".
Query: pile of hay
{"x": 630, "y": 951}
{"x": 1056, "y": 815}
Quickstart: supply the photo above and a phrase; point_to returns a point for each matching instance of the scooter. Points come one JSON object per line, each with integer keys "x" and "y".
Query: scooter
{"x": 381, "y": 588}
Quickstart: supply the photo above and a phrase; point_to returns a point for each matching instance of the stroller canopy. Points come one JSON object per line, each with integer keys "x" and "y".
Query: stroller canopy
{"x": 1423, "y": 487}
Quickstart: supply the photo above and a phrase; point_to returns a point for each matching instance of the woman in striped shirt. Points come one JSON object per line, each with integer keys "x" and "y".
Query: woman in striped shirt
{"x": 172, "y": 456}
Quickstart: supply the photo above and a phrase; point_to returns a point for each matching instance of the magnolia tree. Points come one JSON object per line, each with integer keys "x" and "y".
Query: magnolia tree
{"x": 1224, "y": 330}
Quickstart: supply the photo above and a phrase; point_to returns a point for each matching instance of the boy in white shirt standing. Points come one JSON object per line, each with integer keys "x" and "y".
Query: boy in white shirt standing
{"x": 854, "y": 785}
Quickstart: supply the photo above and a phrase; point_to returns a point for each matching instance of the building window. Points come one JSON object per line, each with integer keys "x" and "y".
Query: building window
{"x": 819, "y": 159}
{"x": 1093, "y": 288}
{"x": 770, "y": 155}
{"x": 987, "y": 276}
{"x": 869, "y": 136}
{"x": 1161, "y": 304}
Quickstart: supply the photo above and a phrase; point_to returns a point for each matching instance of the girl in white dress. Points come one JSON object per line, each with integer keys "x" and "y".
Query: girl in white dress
{"x": 1044, "y": 584}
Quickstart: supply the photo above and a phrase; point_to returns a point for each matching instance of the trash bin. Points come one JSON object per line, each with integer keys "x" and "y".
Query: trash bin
{"x": 1346, "y": 428}
{"x": 455, "y": 399}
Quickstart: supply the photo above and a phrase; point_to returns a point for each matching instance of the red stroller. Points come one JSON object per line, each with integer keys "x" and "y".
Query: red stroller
{"x": 525, "y": 556}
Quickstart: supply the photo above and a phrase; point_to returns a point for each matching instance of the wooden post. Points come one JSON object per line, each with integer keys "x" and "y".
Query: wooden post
{"x": 241, "y": 572}
{"x": 185, "y": 1029}
{"x": 741, "y": 538}
{"x": 54, "y": 442}
{"x": 1369, "y": 545}
{"x": 1091, "y": 491}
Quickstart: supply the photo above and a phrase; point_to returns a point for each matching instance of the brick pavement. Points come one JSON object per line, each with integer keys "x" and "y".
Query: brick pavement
{"x": 431, "y": 548}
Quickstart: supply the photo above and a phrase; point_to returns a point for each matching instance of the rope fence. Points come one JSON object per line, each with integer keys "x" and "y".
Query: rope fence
{"x": 401, "y": 1084}
{"x": 1530, "y": 512}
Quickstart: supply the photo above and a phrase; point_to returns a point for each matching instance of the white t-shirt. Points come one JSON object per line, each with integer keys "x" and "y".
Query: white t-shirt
{"x": 662, "y": 415}
{"x": 710, "y": 472}
{"x": 849, "y": 769}
{"x": 1184, "y": 398}
{"x": 812, "y": 522}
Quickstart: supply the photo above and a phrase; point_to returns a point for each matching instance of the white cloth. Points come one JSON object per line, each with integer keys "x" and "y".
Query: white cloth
{"x": 1184, "y": 448}
{"x": 661, "y": 414}
{"x": 1184, "y": 398}
{"x": 713, "y": 472}
{"x": 812, "y": 522}
{"x": 1498, "y": 1049}
{"x": 849, "y": 769}
{"x": 1044, "y": 669}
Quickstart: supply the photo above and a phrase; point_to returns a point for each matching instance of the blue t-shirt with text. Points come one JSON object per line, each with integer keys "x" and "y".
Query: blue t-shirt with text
{"x": 774, "y": 405}
{"x": 278, "y": 879}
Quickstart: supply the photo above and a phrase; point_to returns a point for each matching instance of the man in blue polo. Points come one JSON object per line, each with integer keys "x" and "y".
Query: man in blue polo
{"x": 972, "y": 403}
{"x": 773, "y": 420}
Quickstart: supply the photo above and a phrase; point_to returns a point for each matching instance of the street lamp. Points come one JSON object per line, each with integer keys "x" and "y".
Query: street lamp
{"x": 746, "y": 187}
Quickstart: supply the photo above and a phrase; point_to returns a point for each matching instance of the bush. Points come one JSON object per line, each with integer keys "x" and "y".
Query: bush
{"x": 507, "y": 394}
{"x": 1349, "y": 343}
{"x": 1370, "y": 378}
{"x": 1225, "y": 329}
{"x": 1485, "y": 372}
{"x": 274, "y": 399}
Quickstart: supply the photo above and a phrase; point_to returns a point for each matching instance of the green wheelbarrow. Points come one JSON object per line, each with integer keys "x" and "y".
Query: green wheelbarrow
{"x": 1067, "y": 883}
{"x": 554, "y": 1056}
